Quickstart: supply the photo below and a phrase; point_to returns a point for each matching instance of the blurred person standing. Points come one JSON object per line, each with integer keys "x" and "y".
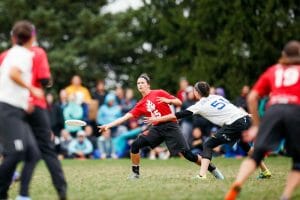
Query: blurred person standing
{"x": 106, "y": 146}
{"x": 241, "y": 100}
{"x": 76, "y": 88}
{"x": 281, "y": 82}
{"x": 15, "y": 89}
{"x": 181, "y": 93}
{"x": 100, "y": 92}
{"x": 40, "y": 122}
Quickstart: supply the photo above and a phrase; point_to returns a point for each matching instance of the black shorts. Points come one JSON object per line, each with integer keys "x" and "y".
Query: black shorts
{"x": 232, "y": 133}
{"x": 169, "y": 133}
{"x": 15, "y": 133}
{"x": 280, "y": 121}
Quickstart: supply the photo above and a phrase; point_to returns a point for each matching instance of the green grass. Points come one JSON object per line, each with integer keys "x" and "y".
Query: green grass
{"x": 161, "y": 179}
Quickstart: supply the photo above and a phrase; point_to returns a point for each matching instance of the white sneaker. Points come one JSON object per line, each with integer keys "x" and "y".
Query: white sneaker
{"x": 23, "y": 198}
{"x": 133, "y": 176}
{"x": 218, "y": 174}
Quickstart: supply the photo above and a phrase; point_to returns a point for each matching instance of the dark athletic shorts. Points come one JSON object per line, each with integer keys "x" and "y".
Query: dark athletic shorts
{"x": 281, "y": 121}
{"x": 169, "y": 133}
{"x": 15, "y": 133}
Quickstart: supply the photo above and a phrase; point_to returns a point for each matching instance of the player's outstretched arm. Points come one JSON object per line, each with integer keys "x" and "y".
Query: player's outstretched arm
{"x": 117, "y": 122}
{"x": 166, "y": 118}
{"x": 175, "y": 102}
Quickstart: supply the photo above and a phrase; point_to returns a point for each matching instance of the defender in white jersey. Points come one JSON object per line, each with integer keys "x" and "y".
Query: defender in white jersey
{"x": 15, "y": 134}
{"x": 218, "y": 110}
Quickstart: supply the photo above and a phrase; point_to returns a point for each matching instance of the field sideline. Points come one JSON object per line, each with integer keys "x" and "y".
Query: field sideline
{"x": 161, "y": 179}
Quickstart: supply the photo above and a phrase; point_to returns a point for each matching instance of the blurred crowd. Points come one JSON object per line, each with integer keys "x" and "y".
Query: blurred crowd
{"x": 100, "y": 106}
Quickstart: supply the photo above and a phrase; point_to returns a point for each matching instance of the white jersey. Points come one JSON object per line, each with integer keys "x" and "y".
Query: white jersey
{"x": 10, "y": 92}
{"x": 217, "y": 110}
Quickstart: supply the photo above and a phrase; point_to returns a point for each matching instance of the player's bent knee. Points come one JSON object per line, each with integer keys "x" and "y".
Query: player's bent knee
{"x": 207, "y": 152}
{"x": 190, "y": 156}
{"x": 138, "y": 144}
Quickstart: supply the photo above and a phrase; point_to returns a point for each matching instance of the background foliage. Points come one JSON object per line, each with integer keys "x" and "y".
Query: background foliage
{"x": 227, "y": 43}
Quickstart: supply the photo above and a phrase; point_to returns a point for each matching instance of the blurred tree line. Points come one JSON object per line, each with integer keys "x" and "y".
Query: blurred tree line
{"x": 227, "y": 43}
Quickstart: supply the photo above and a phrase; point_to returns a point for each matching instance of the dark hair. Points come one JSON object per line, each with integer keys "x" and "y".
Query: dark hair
{"x": 22, "y": 31}
{"x": 291, "y": 53}
{"x": 146, "y": 77}
{"x": 202, "y": 88}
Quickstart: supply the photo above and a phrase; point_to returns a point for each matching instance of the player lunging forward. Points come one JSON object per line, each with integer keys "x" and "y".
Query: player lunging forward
{"x": 218, "y": 110}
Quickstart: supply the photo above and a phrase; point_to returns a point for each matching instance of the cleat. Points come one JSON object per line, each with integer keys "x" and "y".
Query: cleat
{"x": 233, "y": 193}
{"x": 264, "y": 175}
{"x": 218, "y": 174}
{"x": 198, "y": 177}
{"x": 133, "y": 176}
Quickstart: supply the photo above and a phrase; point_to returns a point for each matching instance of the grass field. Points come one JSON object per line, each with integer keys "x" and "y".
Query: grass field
{"x": 161, "y": 179}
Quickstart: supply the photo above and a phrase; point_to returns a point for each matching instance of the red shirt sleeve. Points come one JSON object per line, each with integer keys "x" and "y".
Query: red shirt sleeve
{"x": 263, "y": 85}
{"x": 2, "y": 56}
{"x": 137, "y": 111}
{"x": 163, "y": 93}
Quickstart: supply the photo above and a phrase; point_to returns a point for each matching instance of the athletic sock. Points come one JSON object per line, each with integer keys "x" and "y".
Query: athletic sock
{"x": 211, "y": 167}
{"x": 136, "y": 169}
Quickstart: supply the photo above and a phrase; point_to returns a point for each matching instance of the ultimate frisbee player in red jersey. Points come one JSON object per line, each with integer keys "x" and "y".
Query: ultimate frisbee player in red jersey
{"x": 281, "y": 121}
{"x": 156, "y": 103}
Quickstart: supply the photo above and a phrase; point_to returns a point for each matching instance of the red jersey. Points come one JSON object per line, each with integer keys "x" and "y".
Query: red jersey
{"x": 282, "y": 83}
{"x": 40, "y": 70}
{"x": 149, "y": 107}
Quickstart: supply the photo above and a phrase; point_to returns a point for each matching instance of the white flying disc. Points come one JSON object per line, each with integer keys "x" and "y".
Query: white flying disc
{"x": 75, "y": 122}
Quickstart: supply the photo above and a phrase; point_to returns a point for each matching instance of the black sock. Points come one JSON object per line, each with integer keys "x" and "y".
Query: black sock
{"x": 136, "y": 169}
{"x": 211, "y": 167}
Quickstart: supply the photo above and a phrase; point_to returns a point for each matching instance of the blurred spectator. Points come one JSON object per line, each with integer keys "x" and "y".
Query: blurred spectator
{"x": 109, "y": 111}
{"x": 129, "y": 101}
{"x": 233, "y": 151}
{"x": 212, "y": 90}
{"x": 81, "y": 93}
{"x": 65, "y": 140}
{"x": 100, "y": 92}
{"x": 220, "y": 91}
{"x": 55, "y": 115}
{"x": 160, "y": 152}
{"x": 63, "y": 99}
{"x": 105, "y": 145}
{"x": 241, "y": 101}
{"x": 80, "y": 147}
{"x": 183, "y": 84}
{"x": 73, "y": 111}
{"x": 120, "y": 96}
{"x": 187, "y": 123}
{"x": 197, "y": 143}
{"x": 89, "y": 132}
{"x": 121, "y": 142}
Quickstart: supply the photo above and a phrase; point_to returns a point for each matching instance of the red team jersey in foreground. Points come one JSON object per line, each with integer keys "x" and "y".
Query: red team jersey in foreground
{"x": 148, "y": 106}
{"x": 40, "y": 70}
{"x": 282, "y": 83}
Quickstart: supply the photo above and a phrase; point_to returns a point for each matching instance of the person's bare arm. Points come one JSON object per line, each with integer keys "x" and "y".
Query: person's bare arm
{"x": 175, "y": 102}
{"x": 16, "y": 75}
{"x": 117, "y": 122}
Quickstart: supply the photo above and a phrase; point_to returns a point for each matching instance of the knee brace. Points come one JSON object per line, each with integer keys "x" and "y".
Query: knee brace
{"x": 296, "y": 164}
{"x": 138, "y": 144}
{"x": 190, "y": 156}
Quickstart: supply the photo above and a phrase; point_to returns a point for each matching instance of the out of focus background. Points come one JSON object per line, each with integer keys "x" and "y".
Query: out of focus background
{"x": 227, "y": 43}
